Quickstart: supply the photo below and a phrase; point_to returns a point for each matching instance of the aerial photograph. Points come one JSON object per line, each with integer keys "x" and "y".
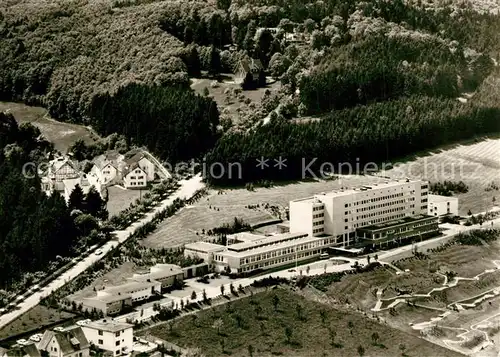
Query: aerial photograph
{"x": 249, "y": 178}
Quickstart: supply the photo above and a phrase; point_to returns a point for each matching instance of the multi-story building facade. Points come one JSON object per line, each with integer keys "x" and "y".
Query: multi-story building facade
{"x": 264, "y": 253}
{"x": 109, "y": 335}
{"x": 340, "y": 213}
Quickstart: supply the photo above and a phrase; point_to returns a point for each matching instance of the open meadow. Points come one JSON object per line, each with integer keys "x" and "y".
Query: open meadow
{"x": 290, "y": 325}
{"x": 477, "y": 164}
{"x": 61, "y": 134}
{"x": 222, "y": 206}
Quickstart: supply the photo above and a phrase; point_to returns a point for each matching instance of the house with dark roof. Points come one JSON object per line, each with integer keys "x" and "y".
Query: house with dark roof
{"x": 250, "y": 73}
{"x": 108, "y": 167}
{"x": 140, "y": 160}
{"x": 29, "y": 350}
{"x": 71, "y": 342}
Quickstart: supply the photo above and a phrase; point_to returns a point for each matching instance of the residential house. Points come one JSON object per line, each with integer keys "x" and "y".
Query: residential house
{"x": 250, "y": 72}
{"x": 58, "y": 170}
{"x": 109, "y": 335}
{"x": 29, "y": 350}
{"x": 107, "y": 167}
{"x": 68, "y": 343}
{"x": 134, "y": 177}
{"x": 144, "y": 163}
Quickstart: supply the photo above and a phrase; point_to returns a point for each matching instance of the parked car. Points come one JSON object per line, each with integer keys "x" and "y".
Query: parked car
{"x": 98, "y": 252}
{"x": 59, "y": 329}
{"x": 22, "y": 342}
{"x": 36, "y": 338}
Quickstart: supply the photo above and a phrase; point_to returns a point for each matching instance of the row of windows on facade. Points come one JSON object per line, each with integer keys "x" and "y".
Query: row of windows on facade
{"x": 138, "y": 183}
{"x": 381, "y": 212}
{"x": 385, "y": 205}
{"x": 318, "y": 208}
{"x": 117, "y": 334}
{"x": 278, "y": 261}
{"x": 376, "y": 199}
{"x": 318, "y": 223}
{"x": 407, "y": 235}
{"x": 378, "y": 220}
{"x": 318, "y": 215}
{"x": 286, "y": 251}
{"x": 138, "y": 177}
{"x": 318, "y": 230}
{"x": 413, "y": 226}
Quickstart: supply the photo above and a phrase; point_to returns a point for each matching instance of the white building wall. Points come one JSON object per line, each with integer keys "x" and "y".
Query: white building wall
{"x": 442, "y": 205}
{"x": 301, "y": 217}
{"x": 345, "y": 211}
{"x": 135, "y": 179}
{"x": 115, "y": 342}
{"x": 148, "y": 167}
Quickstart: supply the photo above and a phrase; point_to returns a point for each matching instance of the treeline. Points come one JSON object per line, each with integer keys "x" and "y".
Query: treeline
{"x": 174, "y": 123}
{"x": 34, "y": 228}
{"x": 365, "y": 134}
{"x": 448, "y": 188}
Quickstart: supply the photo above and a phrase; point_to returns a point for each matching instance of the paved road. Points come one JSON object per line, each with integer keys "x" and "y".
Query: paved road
{"x": 186, "y": 190}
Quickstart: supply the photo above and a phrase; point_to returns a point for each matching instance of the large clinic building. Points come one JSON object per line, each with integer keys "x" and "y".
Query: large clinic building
{"x": 374, "y": 214}
{"x": 342, "y": 212}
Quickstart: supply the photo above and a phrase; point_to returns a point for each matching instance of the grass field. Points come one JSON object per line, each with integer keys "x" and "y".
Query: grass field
{"x": 37, "y": 317}
{"x": 308, "y": 335}
{"x": 218, "y": 208}
{"x": 477, "y": 164}
{"x": 120, "y": 199}
{"x": 62, "y": 135}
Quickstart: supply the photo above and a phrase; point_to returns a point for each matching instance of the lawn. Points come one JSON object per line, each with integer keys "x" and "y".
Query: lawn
{"x": 37, "y": 317}
{"x": 289, "y": 331}
{"x": 222, "y": 206}
{"x": 120, "y": 199}
{"x": 62, "y": 135}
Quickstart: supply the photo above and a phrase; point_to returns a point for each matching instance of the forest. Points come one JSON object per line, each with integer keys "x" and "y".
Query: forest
{"x": 35, "y": 228}
{"x": 380, "y": 78}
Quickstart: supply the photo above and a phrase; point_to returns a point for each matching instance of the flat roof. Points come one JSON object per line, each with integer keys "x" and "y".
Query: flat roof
{"x": 108, "y": 297}
{"x": 132, "y": 285}
{"x": 271, "y": 248}
{"x": 398, "y": 222}
{"x": 441, "y": 198}
{"x": 359, "y": 189}
{"x": 108, "y": 325}
{"x": 246, "y": 236}
{"x": 204, "y": 247}
{"x": 265, "y": 240}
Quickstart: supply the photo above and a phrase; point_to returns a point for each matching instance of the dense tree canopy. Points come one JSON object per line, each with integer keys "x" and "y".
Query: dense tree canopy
{"x": 374, "y": 133}
{"x": 174, "y": 123}
{"x": 34, "y": 227}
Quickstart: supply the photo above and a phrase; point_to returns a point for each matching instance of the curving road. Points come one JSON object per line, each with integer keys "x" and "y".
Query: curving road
{"x": 186, "y": 190}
